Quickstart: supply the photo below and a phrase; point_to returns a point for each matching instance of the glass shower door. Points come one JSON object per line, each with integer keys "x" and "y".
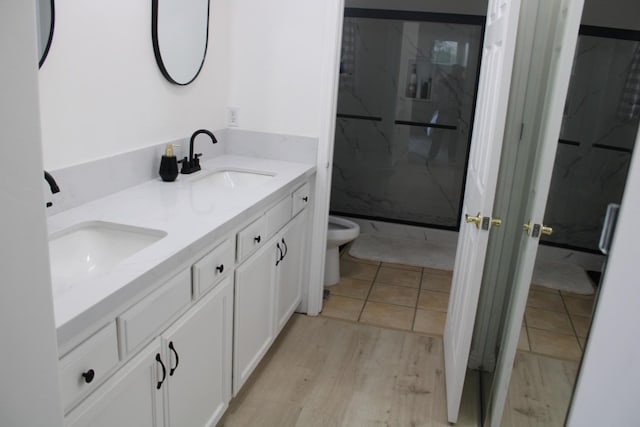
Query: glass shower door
{"x": 406, "y": 102}
{"x": 597, "y": 138}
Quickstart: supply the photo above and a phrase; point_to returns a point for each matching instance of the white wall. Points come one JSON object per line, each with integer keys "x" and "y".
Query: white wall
{"x": 29, "y": 390}
{"x": 102, "y": 92}
{"x": 608, "y": 384}
{"x": 276, "y": 65}
{"x": 284, "y": 65}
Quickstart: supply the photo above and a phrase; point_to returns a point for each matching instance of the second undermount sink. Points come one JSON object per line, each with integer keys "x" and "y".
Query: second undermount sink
{"x": 91, "y": 248}
{"x": 233, "y": 178}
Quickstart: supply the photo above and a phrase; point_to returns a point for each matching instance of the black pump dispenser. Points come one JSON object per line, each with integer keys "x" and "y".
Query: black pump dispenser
{"x": 169, "y": 165}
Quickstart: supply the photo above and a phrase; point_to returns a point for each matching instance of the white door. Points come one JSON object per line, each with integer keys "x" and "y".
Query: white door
{"x": 198, "y": 353}
{"x": 486, "y": 144}
{"x": 563, "y": 36}
{"x": 254, "y": 310}
{"x": 289, "y": 270}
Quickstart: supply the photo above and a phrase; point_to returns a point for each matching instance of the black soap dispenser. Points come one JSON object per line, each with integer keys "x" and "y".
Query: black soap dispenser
{"x": 169, "y": 165}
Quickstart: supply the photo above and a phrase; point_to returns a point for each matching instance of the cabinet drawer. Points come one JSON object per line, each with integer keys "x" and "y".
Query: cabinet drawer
{"x": 86, "y": 365}
{"x": 149, "y": 315}
{"x": 251, "y": 238}
{"x": 301, "y": 198}
{"x": 212, "y": 267}
{"x": 278, "y": 215}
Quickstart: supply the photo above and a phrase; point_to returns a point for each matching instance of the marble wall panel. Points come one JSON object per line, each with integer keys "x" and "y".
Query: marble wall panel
{"x": 403, "y": 173}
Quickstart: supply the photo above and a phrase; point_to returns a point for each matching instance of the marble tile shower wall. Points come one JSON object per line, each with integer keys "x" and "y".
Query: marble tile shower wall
{"x": 390, "y": 73}
{"x": 589, "y": 176}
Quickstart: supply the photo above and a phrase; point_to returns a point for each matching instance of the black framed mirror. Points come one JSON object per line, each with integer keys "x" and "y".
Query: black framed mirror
{"x": 180, "y": 34}
{"x": 45, "y": 14}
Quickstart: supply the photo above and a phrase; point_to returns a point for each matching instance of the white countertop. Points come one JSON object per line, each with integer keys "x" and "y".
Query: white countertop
{"x": 193, "y": 216}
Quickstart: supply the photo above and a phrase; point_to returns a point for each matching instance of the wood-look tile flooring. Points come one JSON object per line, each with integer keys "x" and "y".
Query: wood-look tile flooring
{"x": 362, "y": 363}
{"x": 540, "y": 391}
{"x": 556, "y": 323}
{"x": 329, "y": 372}
{"x": 416, "y": 299}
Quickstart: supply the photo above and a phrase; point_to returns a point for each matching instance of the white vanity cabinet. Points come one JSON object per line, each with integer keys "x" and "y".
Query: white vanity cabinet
{"x": 253, "y": 313}
{"x": 268, "y": 289}
{"x": 175, "y": 357}
{"x": 131, "y": 397}
{"x": 197, "y": 349}
{"x": 288, "y": 274}
{"x": 183, "y": 378}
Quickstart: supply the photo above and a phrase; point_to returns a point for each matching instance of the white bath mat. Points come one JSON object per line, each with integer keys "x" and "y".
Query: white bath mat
{"x": 419, "y": 253}
{"x": 562, "y": 276}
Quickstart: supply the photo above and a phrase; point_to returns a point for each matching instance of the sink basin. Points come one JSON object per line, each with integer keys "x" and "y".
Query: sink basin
{"x": 91, "y": 248}
{"x": 233, "y": 179}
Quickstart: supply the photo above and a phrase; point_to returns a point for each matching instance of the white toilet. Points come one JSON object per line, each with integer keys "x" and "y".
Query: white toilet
{"x": 340, "y": 231}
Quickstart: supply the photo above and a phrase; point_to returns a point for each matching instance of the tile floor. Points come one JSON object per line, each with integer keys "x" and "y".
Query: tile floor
{"x": 390, "y": 295}
{"x": 416, "y": 299}
{"x": 556, "y": 323}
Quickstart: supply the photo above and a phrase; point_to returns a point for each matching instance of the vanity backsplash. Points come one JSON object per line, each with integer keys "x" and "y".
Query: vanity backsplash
{"x": 82, "y": 183}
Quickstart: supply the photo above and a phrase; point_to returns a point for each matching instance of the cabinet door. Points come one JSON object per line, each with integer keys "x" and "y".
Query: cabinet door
{"x": 254, "y": 301}
{"x": 130, "y": 398}
{"x": 198, "y": 352}
{"x": 289, "y": 270}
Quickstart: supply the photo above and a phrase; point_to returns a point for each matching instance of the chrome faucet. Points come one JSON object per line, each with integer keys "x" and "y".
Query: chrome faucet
{"x": 53, "y": 185}
{"x": 192, "y": 164}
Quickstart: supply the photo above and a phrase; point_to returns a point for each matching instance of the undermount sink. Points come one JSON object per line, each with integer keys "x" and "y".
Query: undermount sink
{"x": 233, "y": 178}
{"x": 91, "y": 248}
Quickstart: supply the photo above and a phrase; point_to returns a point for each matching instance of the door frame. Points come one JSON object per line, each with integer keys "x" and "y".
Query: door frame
{"x": 501, "y": 245}
{"x": 581, "y": 404}
{"x": 555, "y": 42}
{"x": 312, "y": 293}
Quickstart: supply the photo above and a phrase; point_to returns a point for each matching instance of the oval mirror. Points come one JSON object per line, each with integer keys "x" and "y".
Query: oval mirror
{"x": 45, "y": 19}
{"x": 180, "y": 32}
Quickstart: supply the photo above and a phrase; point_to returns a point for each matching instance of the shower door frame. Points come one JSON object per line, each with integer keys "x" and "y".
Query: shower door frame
{"x": 433, "y": 17}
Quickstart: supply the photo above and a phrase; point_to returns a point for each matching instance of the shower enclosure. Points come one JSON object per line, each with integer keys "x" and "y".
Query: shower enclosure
{"x": 597, "y": 137}
{"x": 406, "y": 102}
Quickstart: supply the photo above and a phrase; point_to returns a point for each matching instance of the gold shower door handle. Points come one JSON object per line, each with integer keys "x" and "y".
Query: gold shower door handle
{"x": 473, "y": 219}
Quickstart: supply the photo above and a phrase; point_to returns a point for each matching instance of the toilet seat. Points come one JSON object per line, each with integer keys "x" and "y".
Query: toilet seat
{"x": 341, "y": 231}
